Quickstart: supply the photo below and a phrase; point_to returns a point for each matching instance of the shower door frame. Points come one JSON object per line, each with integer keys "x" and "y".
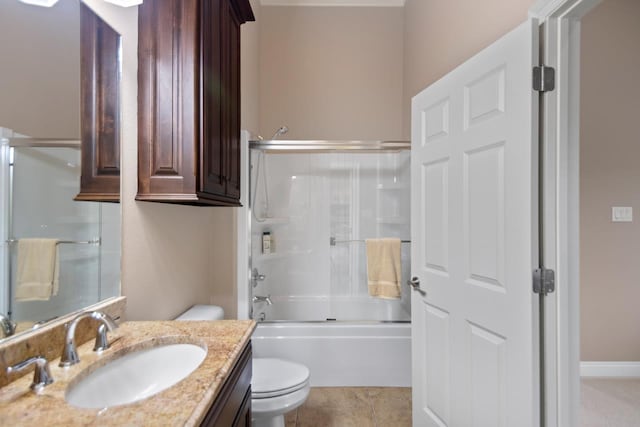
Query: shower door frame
{"x": 295, "y": 147}
{"x": 8, "y": 146}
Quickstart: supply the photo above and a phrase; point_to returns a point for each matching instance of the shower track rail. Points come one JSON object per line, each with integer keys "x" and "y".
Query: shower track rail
{"x": 43, "y": 142}
{"x": 303, "y": 146}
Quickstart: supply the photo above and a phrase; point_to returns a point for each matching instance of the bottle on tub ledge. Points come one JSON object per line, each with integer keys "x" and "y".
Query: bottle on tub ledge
{"x": 267, "y": 243}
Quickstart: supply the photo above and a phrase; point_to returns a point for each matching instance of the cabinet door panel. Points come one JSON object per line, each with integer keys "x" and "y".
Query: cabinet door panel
{"x": 100, "y": 117}
{"x": 167, "y": 99}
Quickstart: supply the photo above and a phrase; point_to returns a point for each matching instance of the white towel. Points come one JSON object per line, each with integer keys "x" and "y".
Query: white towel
{"x": 37, "y": 275}
{"x": 384, "y": 269}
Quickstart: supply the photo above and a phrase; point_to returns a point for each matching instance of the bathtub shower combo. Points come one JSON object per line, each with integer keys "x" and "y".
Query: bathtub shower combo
{"x": 313, "y": 205}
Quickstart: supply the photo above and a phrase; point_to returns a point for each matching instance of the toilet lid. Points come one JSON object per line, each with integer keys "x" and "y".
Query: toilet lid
{"x": 275, "y": 377}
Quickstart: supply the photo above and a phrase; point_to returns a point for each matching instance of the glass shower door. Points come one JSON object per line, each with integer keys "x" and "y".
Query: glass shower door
{"x": 316, "y": 210}
{"x": 43, "y": 183}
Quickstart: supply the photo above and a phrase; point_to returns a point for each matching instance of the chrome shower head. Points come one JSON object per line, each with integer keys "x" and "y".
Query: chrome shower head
{"x": 281, "y": 131}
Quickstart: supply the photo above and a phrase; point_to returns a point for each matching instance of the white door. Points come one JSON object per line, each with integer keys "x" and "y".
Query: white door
{"x": 474, "y": 232}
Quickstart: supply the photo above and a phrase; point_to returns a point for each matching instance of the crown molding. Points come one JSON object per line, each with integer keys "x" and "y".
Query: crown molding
{"x": 335, "y": 3}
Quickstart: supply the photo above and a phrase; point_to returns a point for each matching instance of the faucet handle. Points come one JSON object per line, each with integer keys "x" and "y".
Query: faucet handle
{"x": 8, "y": 326}
{"x": 41, "y": 375}
{"x": 102, "y": 342}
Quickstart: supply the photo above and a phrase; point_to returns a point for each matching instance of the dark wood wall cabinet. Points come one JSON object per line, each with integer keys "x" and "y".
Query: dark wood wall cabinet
{"x": 232, "y": 407}
{"x": 99, "y": 109}
{"x": 189, "y": 101}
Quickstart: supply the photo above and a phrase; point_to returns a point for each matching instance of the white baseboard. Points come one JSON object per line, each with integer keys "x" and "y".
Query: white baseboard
{"x": 610, "y": 369}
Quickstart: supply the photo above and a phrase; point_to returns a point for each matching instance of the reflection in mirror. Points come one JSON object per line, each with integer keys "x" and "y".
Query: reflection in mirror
{"x": 76, "y": 260}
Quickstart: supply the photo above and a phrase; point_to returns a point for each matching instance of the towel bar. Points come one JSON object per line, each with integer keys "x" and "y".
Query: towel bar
{"x": 333, "y": 241}
{"x": 95, "y": 241}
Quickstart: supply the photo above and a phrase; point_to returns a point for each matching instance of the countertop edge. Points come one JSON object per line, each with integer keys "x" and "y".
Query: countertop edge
{"x": 211, "y": 394}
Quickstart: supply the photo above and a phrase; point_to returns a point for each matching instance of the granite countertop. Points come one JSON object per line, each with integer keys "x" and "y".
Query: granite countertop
{"x": 186, "y": 403}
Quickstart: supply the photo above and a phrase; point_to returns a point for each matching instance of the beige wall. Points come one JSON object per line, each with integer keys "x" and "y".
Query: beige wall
{"x": 610, "y": 176}
{"x": 40, "y": 72}
{"x": 250, "y": 71}
{"x": 339, "y": 73}
{"x": 440, "y": 35}
{"x": 331, "y": 72}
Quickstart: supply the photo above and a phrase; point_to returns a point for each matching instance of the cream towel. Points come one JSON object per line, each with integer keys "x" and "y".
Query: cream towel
{"x": 37, "y": 275}
{"x": 383, "y": 268}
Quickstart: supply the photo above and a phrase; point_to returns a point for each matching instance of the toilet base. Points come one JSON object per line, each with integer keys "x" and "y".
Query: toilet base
{"x": 270, "y": 412}
{"x": 277, "y": 421}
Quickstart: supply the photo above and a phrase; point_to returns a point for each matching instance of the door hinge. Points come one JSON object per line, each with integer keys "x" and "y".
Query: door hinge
{"x": 544, "y": 281}
{"x": 544, "y": 78}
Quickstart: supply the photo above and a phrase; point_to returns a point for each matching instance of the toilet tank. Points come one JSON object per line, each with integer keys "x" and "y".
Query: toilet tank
{"x": 203, "y": 312}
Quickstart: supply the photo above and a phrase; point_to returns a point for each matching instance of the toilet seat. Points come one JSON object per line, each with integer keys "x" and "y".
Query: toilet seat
{"x": 276, "y": 377}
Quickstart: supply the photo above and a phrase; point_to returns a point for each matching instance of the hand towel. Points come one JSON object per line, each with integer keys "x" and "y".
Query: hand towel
{"x": 37, "y": 275}
{"x": 383, "y": 268}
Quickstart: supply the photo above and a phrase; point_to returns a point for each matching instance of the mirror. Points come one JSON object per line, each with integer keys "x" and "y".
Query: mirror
{"x": 40, "y": 167}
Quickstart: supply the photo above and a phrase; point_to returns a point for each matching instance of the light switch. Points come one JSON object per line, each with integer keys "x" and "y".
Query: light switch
{"x": 621, "y": 214}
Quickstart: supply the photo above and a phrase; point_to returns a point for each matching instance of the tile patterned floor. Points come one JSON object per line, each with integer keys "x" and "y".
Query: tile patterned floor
{"x": 354, "y": 407}
{"x": 606, "y": 402}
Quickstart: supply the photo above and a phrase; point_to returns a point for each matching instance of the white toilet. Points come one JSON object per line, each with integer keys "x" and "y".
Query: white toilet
{"x": 277, "y": 386}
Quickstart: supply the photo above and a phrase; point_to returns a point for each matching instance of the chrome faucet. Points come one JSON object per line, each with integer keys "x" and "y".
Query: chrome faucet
{"x": 41, "y": 375}
{"x": 70, "y": 353}
{"x": 7, "y": 325}
{"x": 258, "y": 298}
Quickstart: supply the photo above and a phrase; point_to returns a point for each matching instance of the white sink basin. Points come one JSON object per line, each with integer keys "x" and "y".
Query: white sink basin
{"x": 136, "y": 376}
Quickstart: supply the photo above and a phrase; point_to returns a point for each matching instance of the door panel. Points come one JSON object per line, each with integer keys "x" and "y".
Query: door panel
{"x": 436, "y": 379}
{"x": 436, "y": 255}
{"x": 474, "y": 234}
{"x": 483, "y": 215}
{"x": 488, "y": 377}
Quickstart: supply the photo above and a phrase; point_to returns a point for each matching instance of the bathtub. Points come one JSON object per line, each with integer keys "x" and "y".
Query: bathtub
{"x": 341, "y": 354}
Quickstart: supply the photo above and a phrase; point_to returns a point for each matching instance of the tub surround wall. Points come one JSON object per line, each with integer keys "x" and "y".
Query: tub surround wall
{"x": 609, "y": 176}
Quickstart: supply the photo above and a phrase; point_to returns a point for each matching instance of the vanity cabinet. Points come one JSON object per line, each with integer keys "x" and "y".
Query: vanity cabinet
{"x": 232, "y": 407}
{"x": 99, "y": 109}
{"x": 189, "y": 101}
